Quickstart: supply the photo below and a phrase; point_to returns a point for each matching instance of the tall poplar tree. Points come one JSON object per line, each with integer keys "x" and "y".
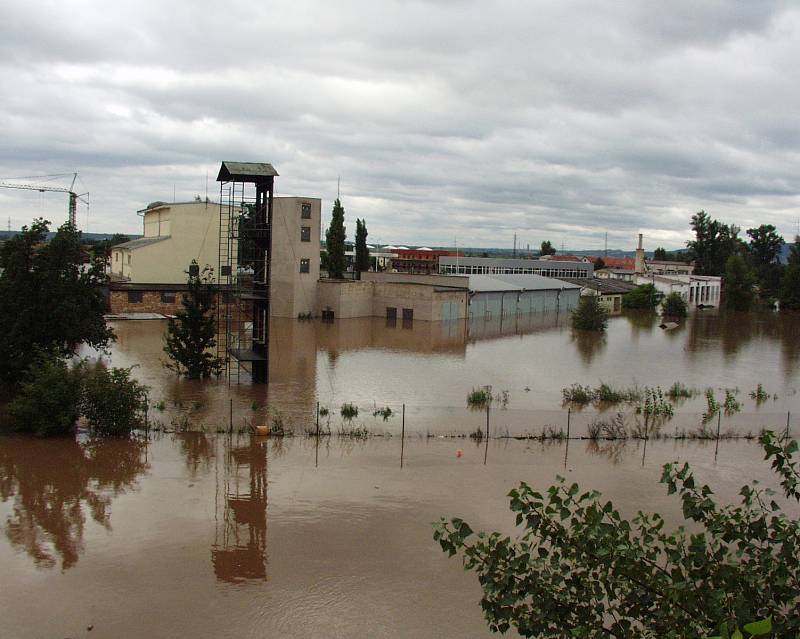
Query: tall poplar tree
{"x": 362, "y": 252}
{"x": 334, "y": 241}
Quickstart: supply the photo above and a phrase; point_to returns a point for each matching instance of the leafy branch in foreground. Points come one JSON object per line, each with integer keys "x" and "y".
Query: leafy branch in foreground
{"x": 579, "y": 569}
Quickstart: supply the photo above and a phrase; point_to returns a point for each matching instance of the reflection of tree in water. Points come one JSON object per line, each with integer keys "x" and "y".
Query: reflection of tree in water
{"x": 240, "y": 540}
{"x": 53, "y": 483}
{"x": 614, "y": 450}
{"x": 589, "y": 344}
{"x": 641, "y": 321}
{"x": 789, "y": 333}
{"x": 198, "y": 450}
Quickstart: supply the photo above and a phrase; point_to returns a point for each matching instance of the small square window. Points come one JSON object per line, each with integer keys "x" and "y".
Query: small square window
{"x": 135, "y": 297}
{"x": 167, "y": 298}
{"x": 305, "y": 233}
{"x": 305, "y": 266}
{"x": 116, "y": 257}
{"x": 305, "y": 210}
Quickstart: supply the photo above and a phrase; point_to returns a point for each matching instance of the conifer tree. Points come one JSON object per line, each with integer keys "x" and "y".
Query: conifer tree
{"x": 362, "y": 252}
{"x": 334, "y": 241}
{"x": 192, "y": 333}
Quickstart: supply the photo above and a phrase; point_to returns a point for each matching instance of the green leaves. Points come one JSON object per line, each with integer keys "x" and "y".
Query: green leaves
{"x": 578, "y": 568}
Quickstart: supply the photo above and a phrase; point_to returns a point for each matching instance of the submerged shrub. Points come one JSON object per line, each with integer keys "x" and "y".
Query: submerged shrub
{"x": 674, "y": 306}
{"x": 48, "y": 401}
{"x": 680, "y": 391}
{"x": 112, "y": 402}
{"x": 577, "y": 394}
{"x": 759, "y": 394}
{"x": 479, "y": 398}
{"x": 349, "y": 412}
{"x": 590, "y": 314}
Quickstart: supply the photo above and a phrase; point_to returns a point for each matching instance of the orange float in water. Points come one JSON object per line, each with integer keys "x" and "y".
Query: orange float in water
{"x": 459, "y": 453}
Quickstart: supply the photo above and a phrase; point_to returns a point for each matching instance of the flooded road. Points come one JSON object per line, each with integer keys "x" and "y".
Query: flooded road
{"x": 431, "y": 366}
{"x": 195, "y": 535}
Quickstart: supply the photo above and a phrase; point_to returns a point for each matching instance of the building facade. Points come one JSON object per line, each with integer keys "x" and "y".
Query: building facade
{"x": 504, "y": 266}
{"x": 422, "y": 260}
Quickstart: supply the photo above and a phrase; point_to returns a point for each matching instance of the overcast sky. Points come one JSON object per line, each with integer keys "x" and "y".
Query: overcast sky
{"x": 445, "y": 119}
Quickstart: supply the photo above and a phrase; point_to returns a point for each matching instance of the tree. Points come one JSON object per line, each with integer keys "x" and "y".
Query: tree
{"x": 644, "y": 297}
{"x": 334, "y": 241}
{"x": 48, "y": 399}
{"x": 191, "y": 334}
{"x": 362, "y": 252}
{"x": 714, "y": 243}
{"x": 660, "y": 254}
{"x": 674, "y": 306}
{"x": 789, "y": 293}
{"x": 581, "y": 569}
{"x": 765, "y": 247}
{"x": 48, "y": 302}
{"x": 102, "y": 250}
{"x": 590, "y": 314}
{"x": 547, "y": 248}
{"x": 739, "y": 283}
{"x": 599, "y": 264}
{"x": 112, "y": 402}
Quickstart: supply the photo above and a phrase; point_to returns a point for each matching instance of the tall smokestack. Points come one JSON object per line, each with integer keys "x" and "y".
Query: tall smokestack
{"x": 639, "y": 262}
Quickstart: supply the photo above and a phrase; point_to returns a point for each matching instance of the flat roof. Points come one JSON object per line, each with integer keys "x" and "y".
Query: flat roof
{"x": 608, "y": 286}
{"x": 519, "y": 283}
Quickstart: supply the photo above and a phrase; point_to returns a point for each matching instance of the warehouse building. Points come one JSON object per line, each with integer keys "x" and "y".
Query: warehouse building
{"x": 506, "y": 266}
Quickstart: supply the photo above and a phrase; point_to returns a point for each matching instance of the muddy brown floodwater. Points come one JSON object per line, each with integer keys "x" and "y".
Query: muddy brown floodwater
{"x": 199, "y": 535}
{"x": 431, "y": 366}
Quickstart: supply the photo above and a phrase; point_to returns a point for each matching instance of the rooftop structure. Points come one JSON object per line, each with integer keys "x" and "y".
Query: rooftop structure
{"x": 505, "y": 266}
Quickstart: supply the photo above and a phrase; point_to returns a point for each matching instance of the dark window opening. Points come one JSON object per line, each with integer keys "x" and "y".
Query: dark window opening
{"x": 305, "y": 233}
{"x": 305, "y": 211}
{"x": 408, "y": 314}
{"x": 135, "y": 297}
{"x": 305, "y": 266}
{"x": 327, "y": 315}
{"x": 391, "y": 313}
{"x": 167, "y": 298}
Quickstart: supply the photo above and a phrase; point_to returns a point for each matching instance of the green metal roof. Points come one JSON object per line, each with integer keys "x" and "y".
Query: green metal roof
{"x": 245, "y": 172}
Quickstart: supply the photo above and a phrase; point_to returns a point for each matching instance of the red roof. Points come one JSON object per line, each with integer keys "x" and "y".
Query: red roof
{"x": 627, "y": 263}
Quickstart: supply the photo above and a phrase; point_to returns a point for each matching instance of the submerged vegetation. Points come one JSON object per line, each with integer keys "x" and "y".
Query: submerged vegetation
{"x": 590, "y": 314}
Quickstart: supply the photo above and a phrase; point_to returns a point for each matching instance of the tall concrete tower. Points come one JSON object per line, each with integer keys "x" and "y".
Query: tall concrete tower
{"x": 639, "y": 263}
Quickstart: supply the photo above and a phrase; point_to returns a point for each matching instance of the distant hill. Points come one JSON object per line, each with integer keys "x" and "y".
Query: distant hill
{"x": 4, "y": 235}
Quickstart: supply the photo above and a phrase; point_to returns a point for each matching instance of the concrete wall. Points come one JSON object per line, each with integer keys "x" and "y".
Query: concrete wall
{"x": 293, "y": 292}
{"x": 348, "y": 299}
{"x": 459, "y": 281}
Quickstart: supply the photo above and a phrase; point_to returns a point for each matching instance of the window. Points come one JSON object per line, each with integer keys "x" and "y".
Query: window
{"x": 134, "y": 297}
{"x": 391, "y": 313}
{"x": 305, "y": 265}
{"x": 129, "y": 259}
{"x": 305, "y": 210}
{"x": 408, "y": 314}
{"x": 167, "y": 298}
{"x": 305, "y": 233}
{"x": 116, "y": 256}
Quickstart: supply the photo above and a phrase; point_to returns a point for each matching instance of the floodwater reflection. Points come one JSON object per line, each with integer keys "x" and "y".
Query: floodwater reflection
{"x": 53, "y": 483}
{"x": 240, "y": 536}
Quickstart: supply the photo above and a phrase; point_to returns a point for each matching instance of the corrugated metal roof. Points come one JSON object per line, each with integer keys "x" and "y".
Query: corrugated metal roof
{"x": 497, "y": 283}
{"x": 245, "y": 171}
{"x": 607, "y": 286}
{"x": 142, "y": 241}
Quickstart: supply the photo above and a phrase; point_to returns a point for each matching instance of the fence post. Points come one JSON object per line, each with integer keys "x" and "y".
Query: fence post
{"x": 403, "y": 436}
{"x": 569, "y": 415}
{"x": 230, "y": 418}
{"x": 719, "y": 421}
{"x": 788, "y": 419}
{"x": 486, "y": 449}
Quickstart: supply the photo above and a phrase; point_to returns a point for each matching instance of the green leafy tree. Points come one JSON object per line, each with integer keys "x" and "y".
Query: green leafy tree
{"x": 112, "y": 401}
{"x": 191, "y": 334}
{"x": 644, "y": 297}
{"x": 334, "y": 242}
{"x": 48, "y": 301}
{"x": 714, "y": 243}
{"x": 765, "y": 248}
{"x": 739, "y": 282}
{"x": 789, "y": 293}
{"x": 660, "y": 254}
{"x": 547, "y": 248}
{"x": 581, "y": 569}
{"x": 599, "y": 263}
{"x": 674, "y": 306}
{"x": 362, "y": 252}
{"x": 48, "y": 399}
{"x": 590, "y": 314}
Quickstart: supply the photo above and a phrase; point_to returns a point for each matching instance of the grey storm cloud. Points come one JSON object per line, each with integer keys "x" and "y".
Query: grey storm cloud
{"x": 445, "y": 119}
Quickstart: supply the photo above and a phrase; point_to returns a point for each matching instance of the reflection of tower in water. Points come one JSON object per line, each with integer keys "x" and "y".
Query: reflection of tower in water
{"x": 240, "y": 536}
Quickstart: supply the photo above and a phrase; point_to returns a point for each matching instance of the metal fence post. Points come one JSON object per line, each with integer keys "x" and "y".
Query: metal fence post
{"x": 403, "y": 436}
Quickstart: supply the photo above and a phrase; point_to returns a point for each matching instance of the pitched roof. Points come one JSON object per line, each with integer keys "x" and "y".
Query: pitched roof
{"x": 142, "y": 241}
{"x": 603, "y": 286}
{"x": 627, "y": 263}
{"x": 245, "y": 172}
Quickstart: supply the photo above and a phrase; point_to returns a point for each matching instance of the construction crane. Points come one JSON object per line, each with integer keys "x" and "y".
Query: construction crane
{"x": 73, "y": 197}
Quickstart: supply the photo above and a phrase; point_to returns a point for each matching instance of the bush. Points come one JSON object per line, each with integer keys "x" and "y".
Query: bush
{"x": 48, "y": 400}
{"x": 579, "y": 564}
{"x": 349, "y": 412}
{"x": 112, "y": 402}
{"x": 479, "y": 398}
{"x": 590, "y": 314}
{"x": 674, "y": 306}
{"x": 644, "y": 297}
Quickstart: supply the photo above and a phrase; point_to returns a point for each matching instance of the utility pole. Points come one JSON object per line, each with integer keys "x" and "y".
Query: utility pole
{"x": 515, "y": 245}
{"x": 605, "y": 251}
